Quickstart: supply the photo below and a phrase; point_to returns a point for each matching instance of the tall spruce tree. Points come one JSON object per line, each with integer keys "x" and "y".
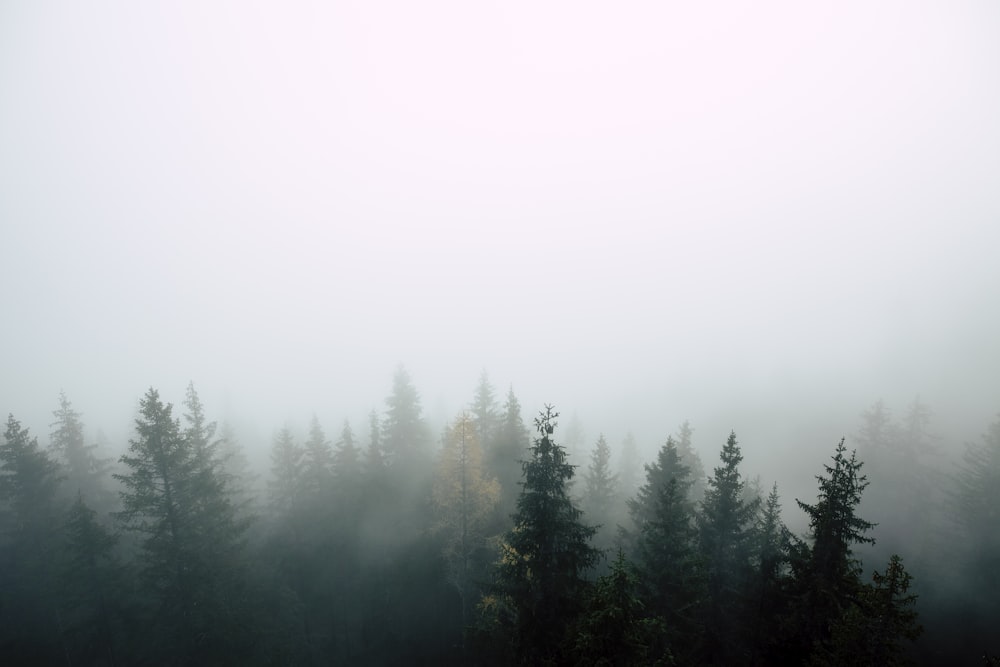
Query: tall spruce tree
{"x": 503, "y": 459}
{"x": 725, "y": 525}
{"x": 191, "y": 542}
{"x": 545, "y": 557}
{"x": 662, "y": 541}
{"x": 826, "y": 573}
{"x": 85, "y": 473}
{"x": 600, "y": 496}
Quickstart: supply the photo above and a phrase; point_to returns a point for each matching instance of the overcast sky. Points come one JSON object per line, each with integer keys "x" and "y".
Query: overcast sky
{"x": 703, "y": 210}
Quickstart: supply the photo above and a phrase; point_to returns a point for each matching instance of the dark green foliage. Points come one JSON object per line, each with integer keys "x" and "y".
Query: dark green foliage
{"x": 870, "y": 631}
{"x": 826, "y": 574}
{"x": 540, "y": 577}
{"x": 724, "y": 532}
{"x": 92, "y": 585}
{"x": 662, "y": 543}
{"x": 29, "y": 542}
{"x": 191, "y": 542}
{"x": 613, "y": 629}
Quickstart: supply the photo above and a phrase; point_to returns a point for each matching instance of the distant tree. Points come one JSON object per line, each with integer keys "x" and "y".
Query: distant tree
{"x": 374, "y": 459}
{"x": 405, "y": 435}
{"x": 540, "y": 577}
{"x": 975, "y": 544}
{"x": 826, "y": 573}
{"x": 484, "y": 411}
{"x": 84, "y": 472}
{"x": 629, "y": 467}
{"x": 286, "y": 471}
{"x": 317, "y": 463}
{"x": 503, "y": 460}
{"x": 464, "y": 498}
{"x": 600, "y": 496}
{"x": 346, "y": 457}
{"x": 690, "y": 458}
{"x": 725, "y": 525}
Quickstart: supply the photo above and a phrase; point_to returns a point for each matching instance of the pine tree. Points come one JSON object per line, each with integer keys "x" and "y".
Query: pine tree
{"x": 503, "y": 460}
{"x": 286, "y": 472}
{"x": 191, "y": 543}
{"x": 405, "y": 436}
{"x": 724, "y": 525}
{"x": 346, "y": 457}
{"x": 690, "y": 458}
{"x": 870, "y": 632}
{"x": 85, "y": 473}
{"x": 544, "y": 558}
{"x": 317, "y": 463}
{"x": 600, "y": 496}
{"x": 629, "y": 467}
{"x": 484, "y": 412}
{"x": 91, "y": 584}
{"x": 662, "y": 541}
{"x": 975, "y": 508}
{"x": 30, "y": 628}
{"x": 613, "y": 629}
{"x": 826, "y": 574}
{"x": 772, "y": 544}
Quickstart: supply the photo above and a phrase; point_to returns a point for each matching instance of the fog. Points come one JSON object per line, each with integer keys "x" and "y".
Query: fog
{"x": 760, "y": 218}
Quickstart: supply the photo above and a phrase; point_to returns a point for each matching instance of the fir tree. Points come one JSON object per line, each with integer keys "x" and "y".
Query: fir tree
{"x": 545, "y": 556}
{"x": 826, "y": 574}
{"x": 191, "y": 541}
{"x": 724, "y": 526}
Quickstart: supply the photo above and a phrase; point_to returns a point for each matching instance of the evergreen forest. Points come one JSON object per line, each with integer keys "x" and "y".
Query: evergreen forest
{"x": 489, "y": 543}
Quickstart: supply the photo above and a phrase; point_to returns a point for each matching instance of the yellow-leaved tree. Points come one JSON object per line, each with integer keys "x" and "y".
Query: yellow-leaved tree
{"x": 464, "y": 498}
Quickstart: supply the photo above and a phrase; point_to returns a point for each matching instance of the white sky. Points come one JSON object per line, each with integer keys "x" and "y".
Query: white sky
{"x": 688, "y": 209}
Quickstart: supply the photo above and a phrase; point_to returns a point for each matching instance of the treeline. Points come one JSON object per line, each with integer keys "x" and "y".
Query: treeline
{"x": 483, "y": 546}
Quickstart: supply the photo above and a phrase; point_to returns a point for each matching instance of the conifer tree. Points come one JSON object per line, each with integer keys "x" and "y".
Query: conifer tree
{"x": 317, "y": 463}
{"x": 600, "y": 496}
{"x": 724, "y": 526}
{"x": 826, "y": 574}
{"x": 91, "y": 582}
{"x": 629, "y": 467}
{"x": 484, "y": 412}
{"x": 663, "y": 544}
{"x": 29, "y": 543}
{"x": 544, "y": 558}
{"x": 463, "y": 497}
{"x": 503, "y": 460}
{"x": 191, "y": 545}
{"x": 286, "y": 472}
{"x": 405, "y": 436}
{"x": 85, "y": 473}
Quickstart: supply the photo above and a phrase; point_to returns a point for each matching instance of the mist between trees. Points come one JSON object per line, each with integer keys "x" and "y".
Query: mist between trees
{"x": 490, "y": 543}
